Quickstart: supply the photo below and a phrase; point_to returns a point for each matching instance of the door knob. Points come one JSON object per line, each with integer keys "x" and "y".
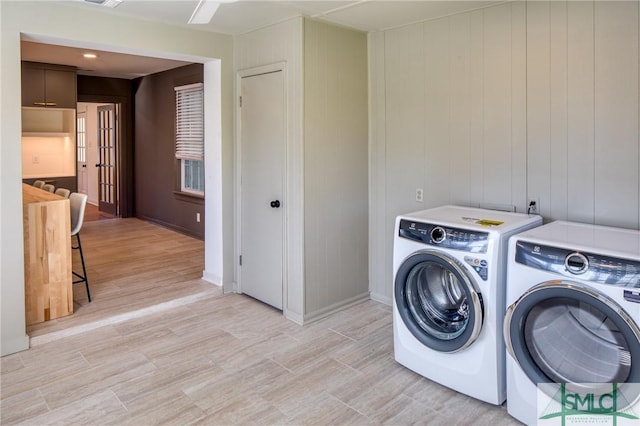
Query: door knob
{"x": 275, "y": 204}
{"x": 98, "y": 165}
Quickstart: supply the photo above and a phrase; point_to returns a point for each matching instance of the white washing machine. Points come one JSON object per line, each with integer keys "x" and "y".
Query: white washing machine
{"x": 449, "y": 268}
{"x": 573, "y": 310}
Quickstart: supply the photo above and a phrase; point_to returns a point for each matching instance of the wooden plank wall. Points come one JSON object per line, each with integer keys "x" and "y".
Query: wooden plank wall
{"x": 519, "y": 101}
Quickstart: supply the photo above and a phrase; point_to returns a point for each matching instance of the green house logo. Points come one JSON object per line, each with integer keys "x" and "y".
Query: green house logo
{"x": 602, "y": 404}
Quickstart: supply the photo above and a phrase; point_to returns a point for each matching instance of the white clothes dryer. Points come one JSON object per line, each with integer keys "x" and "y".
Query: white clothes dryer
{"x": 449, "y": 268}
{"x": 573, "y": 311}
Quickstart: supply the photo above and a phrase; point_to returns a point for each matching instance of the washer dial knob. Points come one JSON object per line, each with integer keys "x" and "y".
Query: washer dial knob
{"x": 438, "y": 234}
{"x": 576, "y": 263}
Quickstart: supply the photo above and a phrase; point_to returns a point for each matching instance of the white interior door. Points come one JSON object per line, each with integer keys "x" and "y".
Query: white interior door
{"x": 262, "y": 170}
{"x": 90, "y": 111}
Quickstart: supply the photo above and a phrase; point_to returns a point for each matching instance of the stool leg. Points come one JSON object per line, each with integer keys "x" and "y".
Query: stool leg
{"x": 84, "y": 269}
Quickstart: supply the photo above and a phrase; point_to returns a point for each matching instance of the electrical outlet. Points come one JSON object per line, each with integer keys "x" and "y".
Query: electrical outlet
{"x": 198, "y": 217}
{"x": 419, "y": 195}
{"x": 533, "y": 207}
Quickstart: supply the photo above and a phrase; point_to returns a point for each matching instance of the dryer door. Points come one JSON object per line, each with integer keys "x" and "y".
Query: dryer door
{"x": 564, "y": 332}
{"x": 438, "y": 301}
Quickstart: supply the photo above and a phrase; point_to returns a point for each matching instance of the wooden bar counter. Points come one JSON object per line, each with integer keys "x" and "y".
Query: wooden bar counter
{"x": 47, "y": 255}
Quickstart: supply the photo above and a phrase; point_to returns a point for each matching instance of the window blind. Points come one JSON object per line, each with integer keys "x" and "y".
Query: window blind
{"x": 190, "y": 122}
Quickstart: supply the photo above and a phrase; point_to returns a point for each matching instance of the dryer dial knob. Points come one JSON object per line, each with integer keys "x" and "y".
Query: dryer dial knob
{"x": 576, "y": 263}
{"x": 438, "y": 234}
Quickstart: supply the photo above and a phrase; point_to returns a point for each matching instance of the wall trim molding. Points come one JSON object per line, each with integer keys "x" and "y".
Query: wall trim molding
{"x": 15, "y": 345}
{"x": 336, "y": 307}
{"x": 212, "y": 278}
{"x": 381, "y": 298}
{"x": 172, "y": 227}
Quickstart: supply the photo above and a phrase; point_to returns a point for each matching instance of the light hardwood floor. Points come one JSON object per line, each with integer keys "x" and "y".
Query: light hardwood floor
{"x": 132, "y": 265}
{"x": 182, "y": 353}
{"x": 92, "y": 213}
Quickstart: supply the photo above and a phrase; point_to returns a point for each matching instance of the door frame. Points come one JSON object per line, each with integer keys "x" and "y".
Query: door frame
{"x": 124, "y": 155}
{"x": 286, "y": 208}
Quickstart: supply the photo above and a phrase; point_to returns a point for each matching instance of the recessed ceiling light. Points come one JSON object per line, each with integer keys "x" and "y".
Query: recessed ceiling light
{"x": 90, "y": 55}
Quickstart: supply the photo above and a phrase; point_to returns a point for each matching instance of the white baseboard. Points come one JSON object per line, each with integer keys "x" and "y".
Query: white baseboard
{"x": 325, "y": 312}
{"x": 293, "y": 316}
{"x": 382, "y": 299}
{"x": 15, "y": 345}
{"x": 212, "y": 278}
{"x": 231, "y": 287}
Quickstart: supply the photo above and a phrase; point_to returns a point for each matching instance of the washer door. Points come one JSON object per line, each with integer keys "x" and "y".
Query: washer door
{"x": 563, "y": 332}
{"x": 438, "y": 301}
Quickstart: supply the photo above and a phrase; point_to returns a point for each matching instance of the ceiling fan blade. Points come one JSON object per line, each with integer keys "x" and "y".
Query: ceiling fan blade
{"x": 106, "y": 3}
{"x": 204, "y": 11}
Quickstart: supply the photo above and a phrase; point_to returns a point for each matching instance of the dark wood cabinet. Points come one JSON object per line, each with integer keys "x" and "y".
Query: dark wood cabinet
{"x": 45, "y": 85}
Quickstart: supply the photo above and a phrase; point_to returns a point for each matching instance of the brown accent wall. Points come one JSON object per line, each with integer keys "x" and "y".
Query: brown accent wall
{"x": 116, "y": 90}
{"x": 156, "y": 170}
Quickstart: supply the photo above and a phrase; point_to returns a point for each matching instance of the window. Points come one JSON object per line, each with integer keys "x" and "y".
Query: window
{"x": 190, "y": 137}
{"x": 192, "y": 176}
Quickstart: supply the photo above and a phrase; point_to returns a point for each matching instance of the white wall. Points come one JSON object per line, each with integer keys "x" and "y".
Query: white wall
{"x": 74, "y": 26}
{"x": 271, "y": 45}
{"x": 326, "y": 166}
{"x": 335, "y": 168}
{"x": 535, "y": 100}
{"x": 44, "y": 156}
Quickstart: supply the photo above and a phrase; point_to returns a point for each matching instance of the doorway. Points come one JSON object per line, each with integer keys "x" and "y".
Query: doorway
{"x": 98, "y": 143}
{"x": 218, "y": 250}
{"x": 263, "y": 137}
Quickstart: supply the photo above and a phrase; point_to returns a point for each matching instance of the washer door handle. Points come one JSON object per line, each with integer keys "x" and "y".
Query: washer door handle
{"x": 506, "y": 329}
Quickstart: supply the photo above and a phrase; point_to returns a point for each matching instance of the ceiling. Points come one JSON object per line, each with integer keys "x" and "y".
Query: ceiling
{"x": 236, "y": 18}
{"x": 106, "y": 64}
{"x": 241, "y": 16}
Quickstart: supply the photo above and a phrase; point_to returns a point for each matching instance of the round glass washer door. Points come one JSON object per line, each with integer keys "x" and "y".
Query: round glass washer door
{"x": 562, "y": 332}
{"x": 438, "y": 301}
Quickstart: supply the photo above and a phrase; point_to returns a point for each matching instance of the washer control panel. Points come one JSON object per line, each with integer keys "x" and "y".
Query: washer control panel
{"x": 479, "y": 265}
{"x": 444, "y": 236}
{"x": 579, "y": 264}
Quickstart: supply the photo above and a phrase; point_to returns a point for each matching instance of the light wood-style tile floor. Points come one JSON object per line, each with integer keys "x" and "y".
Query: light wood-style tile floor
{"x": 218, "y": 360}
{"x": 132, "y": 265}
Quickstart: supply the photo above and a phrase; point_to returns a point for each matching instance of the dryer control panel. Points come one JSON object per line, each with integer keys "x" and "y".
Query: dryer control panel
{"x": 445, "y": 237}
{"x": 579, "y": 264}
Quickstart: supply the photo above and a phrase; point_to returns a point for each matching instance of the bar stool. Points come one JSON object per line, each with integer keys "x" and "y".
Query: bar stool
{"x": 78, "y": 203}
{"x": 63, "y": 192}
{"x": 39, "y": 183}
{"x": 49, "y": 187}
